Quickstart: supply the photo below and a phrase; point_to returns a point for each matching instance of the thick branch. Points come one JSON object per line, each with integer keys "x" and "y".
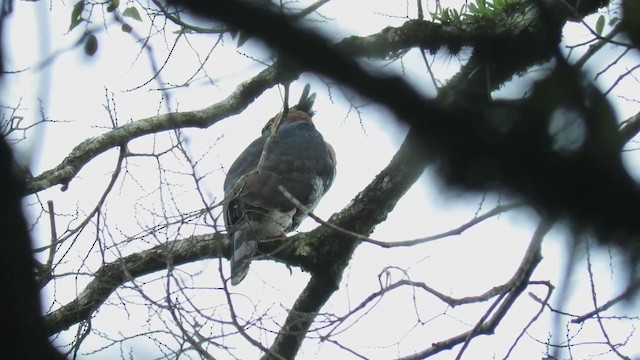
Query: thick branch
{"x": 21, "y": 303}
{"x": 235, "y": 103}
{"x": 391, "y": 40}
{"x": 385, "y": 190}
{"x": 629, "y": 129}
{"x": 324, "y": 252}
{"x": 591, "y": 188}
{"x": 330, "y": 251}
{"x": 113, "y": 275}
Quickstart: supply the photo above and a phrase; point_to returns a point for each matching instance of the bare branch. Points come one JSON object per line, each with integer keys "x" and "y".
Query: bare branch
{"x": 594, "y": 295}
{"x": 517, "y": 283}
{"x": 112, "y": 275}
{"x": 631, "y": 289}
{"x": 244, "y": 94}
{"x": 451, "y": 133}
{"x": 386, "y": 244}
{"x": 595, "y": 48}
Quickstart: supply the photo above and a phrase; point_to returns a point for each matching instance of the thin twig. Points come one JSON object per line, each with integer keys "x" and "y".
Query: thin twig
{"x": 631, "y": 289}
{"x": 593, "y": 49}
{"x": 535, "y": 317}
{"x": 594, "y": 299}
{"x": 274, "y": 129}
{"x": 457, "y": 231}
{"x": 518, "y": 282}
{"x": 171, "y": 307}
{"x": 54, "y": 238}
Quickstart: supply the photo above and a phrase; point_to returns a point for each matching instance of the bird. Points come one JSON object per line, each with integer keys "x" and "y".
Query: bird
{"x": 297, "y": 159}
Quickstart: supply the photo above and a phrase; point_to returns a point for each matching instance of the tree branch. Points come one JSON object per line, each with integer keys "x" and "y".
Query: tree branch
{"x": 113, "y": 275}
{"x": 324, "y": 252}
{"x": 516, "y": 285}
{"x": 591, "y": 187}
{"x": 413, "y": 33}
{"x": 235, "y": 103}
{"x": 388, "y": 187}
{"x": 331, "y": 250}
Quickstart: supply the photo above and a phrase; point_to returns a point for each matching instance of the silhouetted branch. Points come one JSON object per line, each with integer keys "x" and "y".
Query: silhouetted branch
{"x": 492, "y": 318}
{"x": 113, "y": 275}
{"x": 331, "y": 250}
{"x": 631, "y": 289}
{"x": 512, "y": 160}
{"x": 590, "y": 187}
{"x": 244, "y": 95}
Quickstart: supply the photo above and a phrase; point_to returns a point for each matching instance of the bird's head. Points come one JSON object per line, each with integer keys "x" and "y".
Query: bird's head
{"x": 303, "y": 110}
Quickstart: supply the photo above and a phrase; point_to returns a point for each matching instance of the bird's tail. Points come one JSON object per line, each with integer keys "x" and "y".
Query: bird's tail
{"x": 245, "y": 244}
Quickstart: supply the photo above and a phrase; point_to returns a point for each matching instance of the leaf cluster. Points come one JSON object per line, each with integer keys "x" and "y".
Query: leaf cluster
{"x": 480, "y": 9}
{"x": 91, "y": 41}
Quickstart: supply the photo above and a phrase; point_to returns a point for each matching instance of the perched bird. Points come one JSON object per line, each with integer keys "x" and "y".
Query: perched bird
{"x": 297, "y": 158}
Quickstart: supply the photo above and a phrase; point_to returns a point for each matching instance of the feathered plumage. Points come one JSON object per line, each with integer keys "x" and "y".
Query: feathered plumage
{"x": 297, "y": 158}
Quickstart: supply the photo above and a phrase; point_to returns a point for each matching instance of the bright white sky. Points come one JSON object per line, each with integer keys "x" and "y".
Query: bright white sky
{"x": 74, "y": 90}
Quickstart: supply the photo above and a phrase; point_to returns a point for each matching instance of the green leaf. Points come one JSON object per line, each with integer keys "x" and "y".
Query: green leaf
{"x": 437, "y": 17}
{"x": 614, "y": 20}
{"x": 76, "y": 14}
{"x": 77, "y": 9}
{"x": 473, "y": 8}
{"x": 132, "y": 12}
{"x": 126, "y": 28}
{"x": 455, "y": 15}
{"x": 600, "y": 25}
{"x": 74, "y": 23}
{"x": 91, "y": 45}
{"x": 113, "y": 5}
{"x": 446, "y": 17}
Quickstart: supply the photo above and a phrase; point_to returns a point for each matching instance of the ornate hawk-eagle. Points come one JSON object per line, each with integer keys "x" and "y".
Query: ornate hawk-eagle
{"x": 295, "y": 157}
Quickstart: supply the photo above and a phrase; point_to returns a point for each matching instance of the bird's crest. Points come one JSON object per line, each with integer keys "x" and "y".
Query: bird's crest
{"x": 305, "y": 104}
{"x": 306, "y": 101}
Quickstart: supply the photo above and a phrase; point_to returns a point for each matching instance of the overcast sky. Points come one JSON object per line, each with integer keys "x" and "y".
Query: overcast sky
{"x": 73, "y": 90}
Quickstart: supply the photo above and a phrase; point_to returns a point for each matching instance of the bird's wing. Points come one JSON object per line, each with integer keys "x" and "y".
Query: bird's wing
{"x": 297, "y": 159}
